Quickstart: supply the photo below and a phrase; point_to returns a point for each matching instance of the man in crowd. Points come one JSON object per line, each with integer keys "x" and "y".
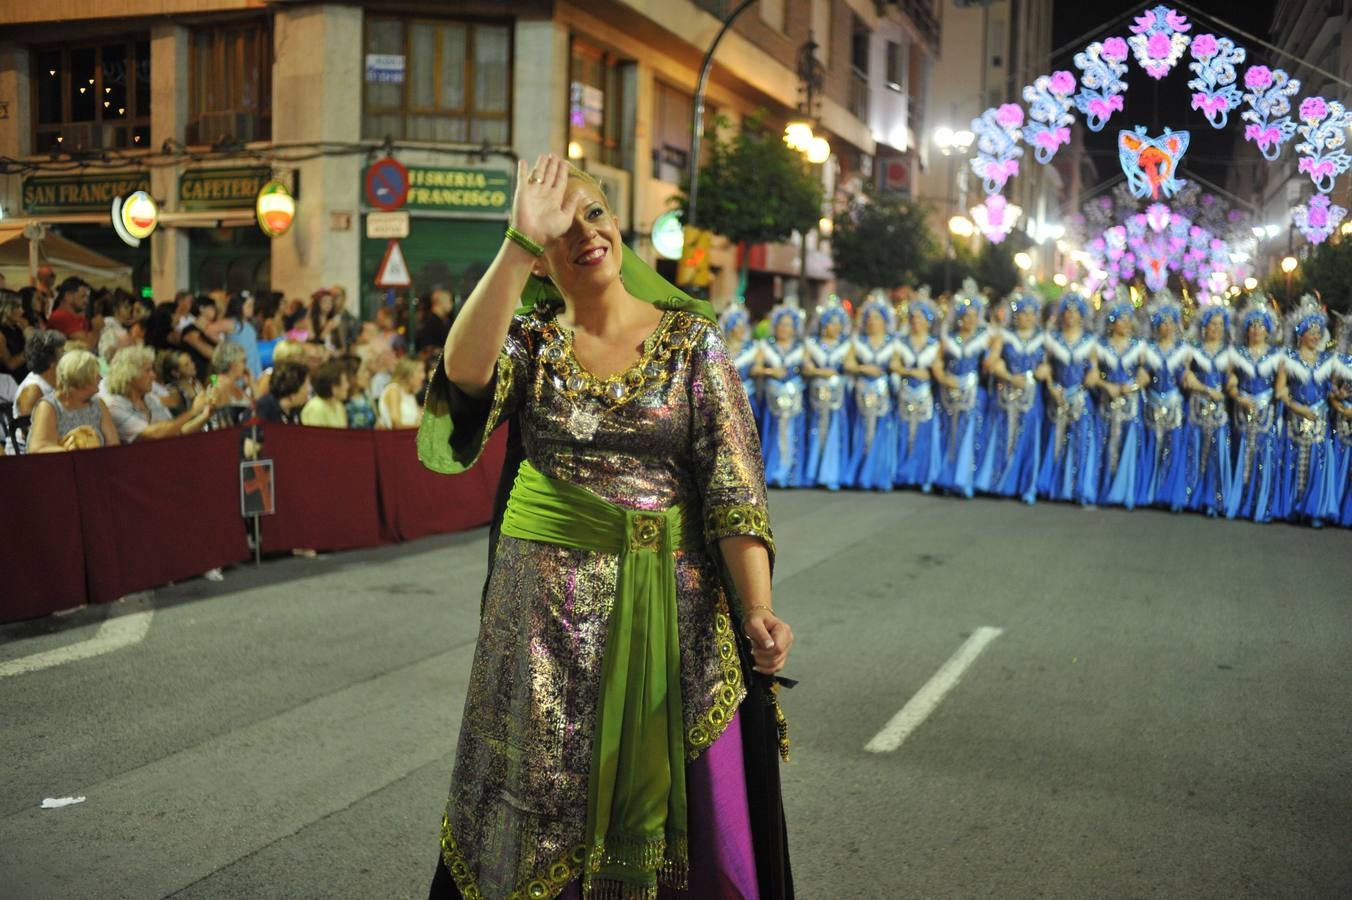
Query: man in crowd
{"x": 46, "y": 284}
{"x": 437, "y": 324}
{"x": 72, "y": 304}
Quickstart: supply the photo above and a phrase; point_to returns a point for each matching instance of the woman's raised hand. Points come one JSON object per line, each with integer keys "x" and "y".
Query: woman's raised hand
{"x": 540, "y": 209}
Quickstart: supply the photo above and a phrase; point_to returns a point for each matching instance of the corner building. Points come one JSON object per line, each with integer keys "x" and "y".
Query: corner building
{"x": 200, "y": 102}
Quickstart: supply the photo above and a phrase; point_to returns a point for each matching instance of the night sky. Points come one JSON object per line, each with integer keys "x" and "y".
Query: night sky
{"x": 1167, "y": 102}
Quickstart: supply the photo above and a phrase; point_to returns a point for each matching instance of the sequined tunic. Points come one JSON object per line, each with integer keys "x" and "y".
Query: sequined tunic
{"x": 676, "y": 428}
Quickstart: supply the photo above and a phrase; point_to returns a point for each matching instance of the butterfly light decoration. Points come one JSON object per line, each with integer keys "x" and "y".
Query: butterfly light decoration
{"x": 996, "y": 217}
{"x": 1268, "y": 116}
{"x": 1151, "y": 164}
{"x": 1158, "y": 40}
{"x": 1214, "y": 90}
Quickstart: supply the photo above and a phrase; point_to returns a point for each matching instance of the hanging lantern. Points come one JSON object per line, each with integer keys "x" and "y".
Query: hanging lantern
{"x": 276, "y": 209}
{"x": 135, "y": 217}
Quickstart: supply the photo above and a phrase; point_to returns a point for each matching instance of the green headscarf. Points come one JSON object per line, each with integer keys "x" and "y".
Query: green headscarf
{"x": 640, "y": 279}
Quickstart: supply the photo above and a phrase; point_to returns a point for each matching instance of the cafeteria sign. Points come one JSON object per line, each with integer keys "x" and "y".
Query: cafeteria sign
{"x": 222, "y": 188}
{"x": 459, "y": 190}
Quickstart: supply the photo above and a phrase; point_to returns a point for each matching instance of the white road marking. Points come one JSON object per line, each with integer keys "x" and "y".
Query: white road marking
{"x": 119, "y": 630}
{"x": 928, "y": 698}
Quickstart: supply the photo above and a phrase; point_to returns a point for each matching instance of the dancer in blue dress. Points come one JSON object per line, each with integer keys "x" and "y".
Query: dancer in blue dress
{"x": 1254, "y": 362}
{"x": 828, "y": 428}
{"x": 1305, "y": 486}
{"x": 915, "y": 368}
{"x": 742, "y": 350}
{"x": 1118, "y": 377}
{"x": 780, "y": 366}
{"x": 1013, "y": 452}
{"x": 1206, "y": 436}
{"x": 873, "y": 444}
{"x": 1340, "y": 400}
{"x": 1070, "y": 455}
{"x": 963, "y": 427}
{"x": 1163, "y": 477}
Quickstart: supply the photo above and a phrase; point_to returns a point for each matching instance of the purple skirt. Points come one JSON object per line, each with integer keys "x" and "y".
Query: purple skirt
{"x": 722, "y": 858}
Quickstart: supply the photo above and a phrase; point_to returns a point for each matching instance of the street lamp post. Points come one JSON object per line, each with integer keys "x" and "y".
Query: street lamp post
{"x": 1288, "y": 266}
{"x": 697, "y": 135}
{"x": 951, "y": 144}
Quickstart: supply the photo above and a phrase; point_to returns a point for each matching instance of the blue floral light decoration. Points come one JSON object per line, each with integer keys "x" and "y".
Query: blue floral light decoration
{"x": 1158, "y": 40}
{"x": 1269, "y": 98}
{"x": 1049, "y": 104}
{"x": 1323, "y": 127}
{"x": 997, "y": 146}
{"x": 1215, "y": 92}
{"x": 1101, "y": 66}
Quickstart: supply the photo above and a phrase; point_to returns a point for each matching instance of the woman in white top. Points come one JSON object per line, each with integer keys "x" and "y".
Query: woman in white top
{"x": 399, "y": 401}
{"x": 74, "y": 419}
{"x": 42, "y": 349}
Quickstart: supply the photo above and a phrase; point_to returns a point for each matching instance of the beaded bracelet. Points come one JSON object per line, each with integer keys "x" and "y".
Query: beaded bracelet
{"x": 524, "y": 242}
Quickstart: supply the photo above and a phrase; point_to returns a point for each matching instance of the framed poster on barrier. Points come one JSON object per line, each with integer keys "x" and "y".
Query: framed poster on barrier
{"x": 257, "y": 496}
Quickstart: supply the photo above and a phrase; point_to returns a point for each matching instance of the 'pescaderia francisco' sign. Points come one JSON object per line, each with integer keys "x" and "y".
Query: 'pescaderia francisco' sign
{"x": 80, "y": 193}
{"x": 459, "y": 190}
{"x": 221, "y": 188}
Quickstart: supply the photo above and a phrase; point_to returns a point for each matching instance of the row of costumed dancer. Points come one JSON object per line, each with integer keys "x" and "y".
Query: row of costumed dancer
{"x": 1234, "y": 422}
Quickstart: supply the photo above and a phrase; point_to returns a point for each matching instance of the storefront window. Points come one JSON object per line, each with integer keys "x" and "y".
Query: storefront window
{"x": 431, "y": 80}
{"x": 92, "y": 96}
{"x": 596, "y": 104}
{"x": 231, "y": 84}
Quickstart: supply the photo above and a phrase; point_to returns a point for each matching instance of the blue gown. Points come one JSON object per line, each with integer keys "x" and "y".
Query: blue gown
{"x": 828, "y": 445}
{"x": 782, "y": 419}
{"x": 919, "y": 451}
{"x": 1342, "y": 444}
{"x": 1305, "y": 482}
{"x": 1013, "y": 452}
{"x": 873, "y": 443}
{"x": 963, "y": 427}
{"x": 1208, "y": 469}
{"x": 1070, "y": 456}
{"x": 1163, "y": 477}
{"x": 1119, "y": 426}
{"x": 744, "y": 359}
{"x": 1251, "y": 494}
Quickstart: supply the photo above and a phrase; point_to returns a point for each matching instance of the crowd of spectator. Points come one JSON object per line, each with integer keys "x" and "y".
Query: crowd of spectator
{"x": 85, "y": 368}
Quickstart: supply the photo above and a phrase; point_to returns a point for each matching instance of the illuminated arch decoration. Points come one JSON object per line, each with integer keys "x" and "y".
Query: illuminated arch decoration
{"x": 1269, "y": 98}
{"x": 1319, "y": 219}
{"x": 1151, "y": 164}
{"x": 1101, "y": 66}
{"x": 1159, "y": 37}
{"x": 1214, "y": 90}
{"x": 1157, "y": 243}
{"x": 1324, "y": 129}
{"x": 1049, "y": 101}
{"x": 997, "y": 146}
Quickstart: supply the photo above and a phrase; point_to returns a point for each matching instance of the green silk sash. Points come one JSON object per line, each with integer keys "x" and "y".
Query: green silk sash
{"x": 636, "y": 801}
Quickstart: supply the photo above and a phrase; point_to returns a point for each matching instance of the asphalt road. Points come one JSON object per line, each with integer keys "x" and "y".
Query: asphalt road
{"x": 1164, "y": 714}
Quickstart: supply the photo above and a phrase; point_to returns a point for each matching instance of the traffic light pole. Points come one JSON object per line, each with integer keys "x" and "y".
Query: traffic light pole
{"x": 692, "y": 193}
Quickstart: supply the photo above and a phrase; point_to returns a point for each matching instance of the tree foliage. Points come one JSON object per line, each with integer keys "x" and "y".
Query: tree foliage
{"x": 995, "y": 268}
{"x": 1328, "y": 271}
{"x": 882, "y": 243}
{"x": 754, "y": 187}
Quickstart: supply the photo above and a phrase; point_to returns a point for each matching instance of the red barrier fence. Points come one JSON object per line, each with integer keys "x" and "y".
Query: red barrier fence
{"x": 95, "y": 525}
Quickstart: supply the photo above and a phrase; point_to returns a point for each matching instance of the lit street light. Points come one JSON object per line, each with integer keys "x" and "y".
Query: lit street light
{"x": 961, "y": 226}
{"x": 1250, "y": 283}
{"x": 1023, "y": 261}
{"x": 1289, "y": 264}
{"x": 952, "y": 144}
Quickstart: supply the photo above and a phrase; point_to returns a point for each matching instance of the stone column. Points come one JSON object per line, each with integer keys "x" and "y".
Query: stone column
{"x": 317, "y": 96}
{"x": 540, "y": 88}
{"x": 170, "y": 46}
{"x": 16, "y": 132}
